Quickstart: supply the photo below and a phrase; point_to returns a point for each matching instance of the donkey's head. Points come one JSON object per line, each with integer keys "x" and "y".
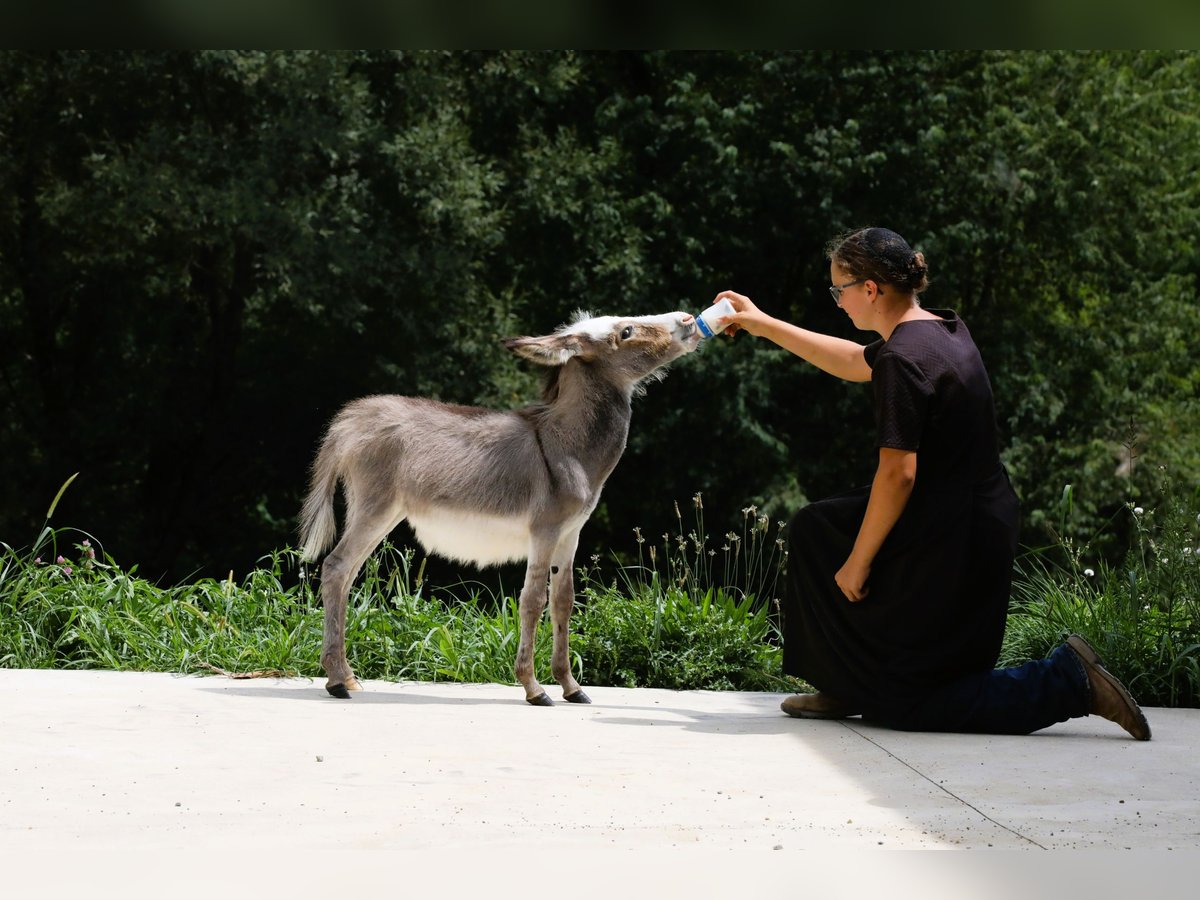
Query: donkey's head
{"x": 626, "y": 349}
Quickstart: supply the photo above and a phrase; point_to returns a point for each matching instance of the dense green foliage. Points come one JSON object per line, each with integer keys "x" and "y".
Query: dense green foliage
{"x": 202, "y": 255}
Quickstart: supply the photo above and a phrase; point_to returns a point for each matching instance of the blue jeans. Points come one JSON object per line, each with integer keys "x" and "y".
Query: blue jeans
{"x": 1003, "y": 701}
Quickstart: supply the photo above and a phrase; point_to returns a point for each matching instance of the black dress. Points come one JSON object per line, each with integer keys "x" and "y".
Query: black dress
{"x": 939, "y": 587}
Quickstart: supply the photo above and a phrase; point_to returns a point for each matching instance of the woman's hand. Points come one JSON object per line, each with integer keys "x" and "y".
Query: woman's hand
{"x": 852, "y": 579}
{"x": 747, "y": 318}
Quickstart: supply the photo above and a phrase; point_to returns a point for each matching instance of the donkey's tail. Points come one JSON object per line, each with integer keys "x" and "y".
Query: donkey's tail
{"x": 318, "y": 523}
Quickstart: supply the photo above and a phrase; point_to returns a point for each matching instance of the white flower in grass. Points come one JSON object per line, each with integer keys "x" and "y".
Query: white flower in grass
{"x": 1137, "y": 510}
{"x": 1090, "y": 573}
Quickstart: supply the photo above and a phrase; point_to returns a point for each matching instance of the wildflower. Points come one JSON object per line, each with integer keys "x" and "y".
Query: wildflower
{"x": 637, "y": 534}
{"x": 37, "y": 560}
{"x": 1137, "y": 510}
{"x": 1090, "y": 573}
{"x": 61, "y": 559}
{"x": 66, "y": 570}
{"x": 749, "y": 511}
{"x": 696, "y": 500}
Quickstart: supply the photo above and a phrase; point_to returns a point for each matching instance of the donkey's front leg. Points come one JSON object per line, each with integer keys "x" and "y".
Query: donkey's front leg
{"x": 562, "y": 601}
{"x": 531, "y": 605}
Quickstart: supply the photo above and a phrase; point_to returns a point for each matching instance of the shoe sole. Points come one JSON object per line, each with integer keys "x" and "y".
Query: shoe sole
{"x": 813, "y": 714}
{"x": 1089, "y": 655}
{"x": 826, "y": 716}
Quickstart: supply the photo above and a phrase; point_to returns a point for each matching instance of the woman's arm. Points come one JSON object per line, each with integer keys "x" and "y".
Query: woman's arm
{"x": 890, "y": 491}
{"x": 836, "y": 356}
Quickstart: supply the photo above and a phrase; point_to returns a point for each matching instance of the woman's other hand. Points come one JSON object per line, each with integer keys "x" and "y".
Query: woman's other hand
{"x": 852, "y": 579}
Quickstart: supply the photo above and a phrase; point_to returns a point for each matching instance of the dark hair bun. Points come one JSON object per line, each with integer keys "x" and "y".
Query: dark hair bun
{"x": 881, "y": 255}
{"x": 918, "y": 273}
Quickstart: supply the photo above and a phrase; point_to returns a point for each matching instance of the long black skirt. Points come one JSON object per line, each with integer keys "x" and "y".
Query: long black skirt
{"x": 937, "y": 599}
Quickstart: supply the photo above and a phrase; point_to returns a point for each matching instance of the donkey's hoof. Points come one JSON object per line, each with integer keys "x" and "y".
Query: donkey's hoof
{"x": 578, "y": 697}
{"x": 338, "y": 690}
{"x": 540, "y": 700}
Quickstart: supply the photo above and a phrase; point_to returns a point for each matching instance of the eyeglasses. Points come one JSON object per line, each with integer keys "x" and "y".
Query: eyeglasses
{"x": 835, "y": 290}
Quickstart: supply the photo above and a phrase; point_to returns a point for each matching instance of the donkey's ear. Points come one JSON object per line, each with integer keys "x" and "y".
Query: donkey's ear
{"x": 552, "y": 350}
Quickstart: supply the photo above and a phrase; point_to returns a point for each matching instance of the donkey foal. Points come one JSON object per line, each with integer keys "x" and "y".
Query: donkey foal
{"x": 488, "y": 486}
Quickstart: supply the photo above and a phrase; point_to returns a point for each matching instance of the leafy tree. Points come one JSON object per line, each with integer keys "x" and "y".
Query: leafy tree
{"x": 202, "y": 255}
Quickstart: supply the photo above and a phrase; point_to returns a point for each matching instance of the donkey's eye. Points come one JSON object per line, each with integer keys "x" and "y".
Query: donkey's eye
{"x": 626, "y": 332}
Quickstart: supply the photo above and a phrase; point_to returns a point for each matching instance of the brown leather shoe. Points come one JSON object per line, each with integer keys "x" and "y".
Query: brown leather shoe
{"x": 816, "y": 706}
{"x": 1110, "y": 698}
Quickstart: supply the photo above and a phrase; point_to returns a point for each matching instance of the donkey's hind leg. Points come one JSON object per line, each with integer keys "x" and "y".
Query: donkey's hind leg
{"x": 531, "y": 605}
{"x": 366, "y": 526}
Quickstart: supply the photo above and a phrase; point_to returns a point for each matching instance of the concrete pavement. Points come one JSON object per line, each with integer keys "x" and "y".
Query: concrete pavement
{"x": 113, "y": 762}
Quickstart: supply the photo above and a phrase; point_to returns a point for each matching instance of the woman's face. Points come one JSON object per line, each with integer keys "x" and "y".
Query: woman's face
{"x": 852, "y": 295}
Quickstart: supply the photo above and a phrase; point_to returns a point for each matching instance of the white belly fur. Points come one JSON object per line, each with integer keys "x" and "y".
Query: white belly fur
{"x": 471, "y": 537}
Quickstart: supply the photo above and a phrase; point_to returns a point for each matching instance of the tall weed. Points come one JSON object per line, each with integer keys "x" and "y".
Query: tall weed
{"x": 1143, "y": 614}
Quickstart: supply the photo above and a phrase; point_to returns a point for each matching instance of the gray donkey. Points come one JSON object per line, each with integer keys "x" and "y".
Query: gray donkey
{"x": 488, "y": 486}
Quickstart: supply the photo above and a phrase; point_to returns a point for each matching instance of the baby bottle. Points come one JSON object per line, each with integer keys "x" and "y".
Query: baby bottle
{"x": 707, "y": 320}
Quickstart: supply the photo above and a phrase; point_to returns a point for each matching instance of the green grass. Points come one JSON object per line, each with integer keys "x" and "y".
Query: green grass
{"x": 66, "y": 604}
{"x": 688, "y": 614}
{"x": 1142, "y": 615}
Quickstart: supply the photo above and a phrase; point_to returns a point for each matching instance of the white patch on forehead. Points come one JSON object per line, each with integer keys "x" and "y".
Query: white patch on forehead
{"x": 600, "y": 327}
{"x": 596, "y": 327}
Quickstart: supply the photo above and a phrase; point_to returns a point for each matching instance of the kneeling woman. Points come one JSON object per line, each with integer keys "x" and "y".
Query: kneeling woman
{"x": 898, "y": 593}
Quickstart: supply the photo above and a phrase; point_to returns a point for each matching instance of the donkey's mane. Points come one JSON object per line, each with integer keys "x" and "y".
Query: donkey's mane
{"x": 550, "y": 382}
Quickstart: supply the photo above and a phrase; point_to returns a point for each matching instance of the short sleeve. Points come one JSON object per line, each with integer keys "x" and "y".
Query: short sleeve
{"x": 902, "y": 400}
{"x": 871, "y": 351}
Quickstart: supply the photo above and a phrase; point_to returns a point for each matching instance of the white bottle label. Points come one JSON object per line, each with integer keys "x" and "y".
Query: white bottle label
{"x": 707, "y": 320}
